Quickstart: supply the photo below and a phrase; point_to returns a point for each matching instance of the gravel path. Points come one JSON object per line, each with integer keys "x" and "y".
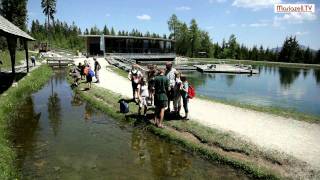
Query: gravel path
{"x": 297, "y": 138}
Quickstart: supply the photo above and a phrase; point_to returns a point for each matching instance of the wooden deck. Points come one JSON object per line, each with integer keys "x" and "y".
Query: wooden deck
{"x": 59, "y": 62}
{"x": 226, "y": 68}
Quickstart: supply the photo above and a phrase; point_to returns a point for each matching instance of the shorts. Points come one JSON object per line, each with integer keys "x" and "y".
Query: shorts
{"x": 134, "y": 85}
{"x": 161, "y": 103}
{"x": 89, "y": 79}
{"x": 143, "y": 102}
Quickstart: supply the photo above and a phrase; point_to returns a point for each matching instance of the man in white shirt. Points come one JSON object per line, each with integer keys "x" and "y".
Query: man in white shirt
{"x": 171, "y": 75}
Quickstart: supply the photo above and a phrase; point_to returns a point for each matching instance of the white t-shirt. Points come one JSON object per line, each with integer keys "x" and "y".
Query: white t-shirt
{"x": 135, "y": 77}
{"x": 144, "y": 92}
{"x": 172, "y": 77}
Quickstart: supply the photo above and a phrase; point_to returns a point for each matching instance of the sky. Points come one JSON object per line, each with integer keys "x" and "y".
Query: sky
{"x": 252, "y": 21}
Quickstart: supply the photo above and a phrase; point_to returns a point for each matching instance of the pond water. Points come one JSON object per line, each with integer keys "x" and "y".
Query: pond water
{"x": 290, "y": 88}
{"x": 56, "y": 135}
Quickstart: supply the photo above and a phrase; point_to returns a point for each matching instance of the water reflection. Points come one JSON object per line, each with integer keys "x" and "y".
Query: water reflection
{"x": 54, "y": 111}
{"x": 76, "y": 100}
{"x": 230, "y": 79}
{"x": 305, "y": 73}
{"x": 23, "y": 130}
{"x": 316, "y": 73}
{"x": 287, "y": 76}
{"x": 166, "y": 160}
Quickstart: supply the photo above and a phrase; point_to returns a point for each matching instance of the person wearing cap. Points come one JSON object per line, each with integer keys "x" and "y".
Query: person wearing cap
{"x": 135, "y": 77}
{"x": 170, "y": 74}
{"x": 97, "y": 68}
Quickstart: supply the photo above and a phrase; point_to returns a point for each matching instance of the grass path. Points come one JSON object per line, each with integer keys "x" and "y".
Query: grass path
{"x": 297, "y": 138}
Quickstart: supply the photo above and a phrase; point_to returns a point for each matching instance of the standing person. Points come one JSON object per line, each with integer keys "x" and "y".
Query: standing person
{"x": 177, "y": 94}
{"x": 151, "y": 75}
{"x": 170, "y": 73}
{"x": 97, "y": 68}
{"x": 135, "y": 77}
{"x": 33, "y": 61}
{"x": 89, "y": 74}
{"x": 81, "y": 69}
{"x": 161, "y": 84}
{"x": 143, "y": 96}
{"x": 184, "y": 95}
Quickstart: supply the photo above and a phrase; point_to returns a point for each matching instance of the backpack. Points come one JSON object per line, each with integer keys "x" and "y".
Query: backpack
{"x": 91, "y": 73}
{"x": 191, "y": 92}
{"x": 124, "y": 107}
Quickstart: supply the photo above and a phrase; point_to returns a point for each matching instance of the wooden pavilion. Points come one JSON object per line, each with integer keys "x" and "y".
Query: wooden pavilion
{"x": 12, "y": 33}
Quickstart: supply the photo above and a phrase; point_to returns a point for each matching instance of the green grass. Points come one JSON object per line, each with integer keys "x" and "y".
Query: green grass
{"x": 9, "y": 101}
{"x": 5, "y": 58}
{"x": 107, "y": 101}
{"x": 251, "y": 62}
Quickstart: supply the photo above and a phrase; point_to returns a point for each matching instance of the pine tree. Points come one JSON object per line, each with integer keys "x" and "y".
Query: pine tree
{"x": 194, "y": 38}
{"x": 113, "y": 32}
{"x": 317, "y": 57}
{"x": 49, "y": 9}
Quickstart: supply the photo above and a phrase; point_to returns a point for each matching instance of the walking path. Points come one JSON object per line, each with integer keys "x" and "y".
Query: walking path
{"x": 297, "y": 138}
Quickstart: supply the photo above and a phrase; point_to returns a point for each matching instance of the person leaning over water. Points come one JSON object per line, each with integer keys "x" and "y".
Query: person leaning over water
{"x": 97, "y": 68}
{"x": 170, "y": 73}
{"x": 135, "y": 77}
{"x": 161, "y": 85}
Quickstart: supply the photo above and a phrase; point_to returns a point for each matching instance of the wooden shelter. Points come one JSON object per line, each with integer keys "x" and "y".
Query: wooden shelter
{"x": 12, "y": 33}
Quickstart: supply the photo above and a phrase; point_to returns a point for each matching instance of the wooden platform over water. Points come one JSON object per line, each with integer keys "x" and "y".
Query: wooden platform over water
{"x": 226, "y": 68}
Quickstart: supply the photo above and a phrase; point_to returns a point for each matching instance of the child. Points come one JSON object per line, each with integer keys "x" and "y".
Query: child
{"x": 143, "y": 96}
{"x": 135, "y": 77}
{"x": 184, "y": 95}
{"x": 151, "y": 75}
{"x": 176, "y": 94}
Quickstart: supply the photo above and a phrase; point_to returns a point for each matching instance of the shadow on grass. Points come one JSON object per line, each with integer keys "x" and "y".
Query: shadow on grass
{"x": 7, "y": 79}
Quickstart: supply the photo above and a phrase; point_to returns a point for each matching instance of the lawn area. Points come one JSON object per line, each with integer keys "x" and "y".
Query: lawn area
{"x": 5, "y": 58}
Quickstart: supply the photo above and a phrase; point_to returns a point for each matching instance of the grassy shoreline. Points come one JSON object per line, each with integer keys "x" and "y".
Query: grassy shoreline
{"x": 209, "y": 143}
{"x": 10, "y": 100}
{"x": 251, "y": 62}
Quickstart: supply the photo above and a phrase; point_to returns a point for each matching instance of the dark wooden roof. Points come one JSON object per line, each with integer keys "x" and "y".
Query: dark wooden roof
{"x": 128, "y": 37}
{"x": 9, "y": 28}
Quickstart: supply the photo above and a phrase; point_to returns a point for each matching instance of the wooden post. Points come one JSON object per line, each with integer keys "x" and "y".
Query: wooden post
{"x": 27, "y": 56}
{"x": 12, "y": 45}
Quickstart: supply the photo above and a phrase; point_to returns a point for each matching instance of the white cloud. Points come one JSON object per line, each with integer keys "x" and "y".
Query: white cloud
{"x": 232, "y": 25}
{"x": 299, "y": 33}
{"x": 144, "y": 17}
{"x": 258, "y": 25}
{"x": 217, "y": 1}
{"x": 108, "y": 15}
{"x": 294, "y": 18}
{"x": 183, "y": 8}
{"x": 227, "y": 11}
{"x": 255, "y": 4}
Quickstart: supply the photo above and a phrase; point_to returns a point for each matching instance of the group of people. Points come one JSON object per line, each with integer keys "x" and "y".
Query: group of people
{"x": 160, "y": 87}
{"x": 85, "y": 70}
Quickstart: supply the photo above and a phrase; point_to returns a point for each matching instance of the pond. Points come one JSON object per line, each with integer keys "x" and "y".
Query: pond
{"x": 57, "y": 135}
{"x": 284, "y": 87}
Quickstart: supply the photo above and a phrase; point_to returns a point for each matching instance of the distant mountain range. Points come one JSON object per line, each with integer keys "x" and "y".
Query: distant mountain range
{"x": 301, "y": 46}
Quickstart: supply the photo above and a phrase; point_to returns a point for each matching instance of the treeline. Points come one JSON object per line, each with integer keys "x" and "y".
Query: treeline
{"x": 191, "y": 41}
{"x": 60, "y": 34}
{"x": 134, "y": 32}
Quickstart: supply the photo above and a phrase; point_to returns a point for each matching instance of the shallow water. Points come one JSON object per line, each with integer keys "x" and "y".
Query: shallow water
{"x": 57, "y": 135}
{"x": 284, "y": 87}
